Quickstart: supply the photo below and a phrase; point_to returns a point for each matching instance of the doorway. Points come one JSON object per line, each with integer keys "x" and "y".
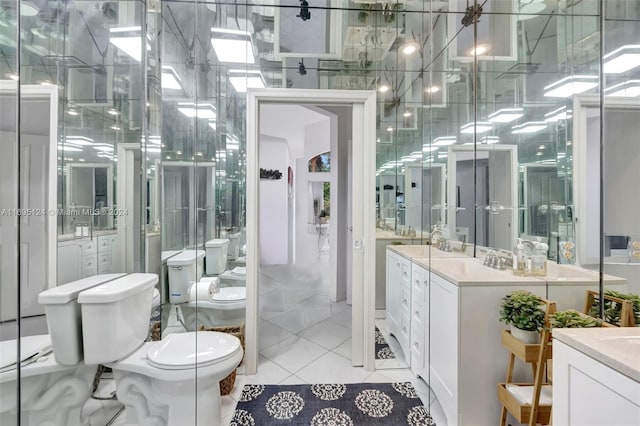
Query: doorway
{"x": 362, "y": 215}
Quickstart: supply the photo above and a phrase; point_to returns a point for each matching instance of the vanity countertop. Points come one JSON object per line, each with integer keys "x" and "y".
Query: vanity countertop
{"x": 464, "y": 270}
{"x": 617, "y": 348}
{"x": 69, "y": 237}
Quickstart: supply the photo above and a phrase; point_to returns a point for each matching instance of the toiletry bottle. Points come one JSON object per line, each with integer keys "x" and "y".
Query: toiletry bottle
{"x": 539, "y": 260}
{"x": 520, "y": 264}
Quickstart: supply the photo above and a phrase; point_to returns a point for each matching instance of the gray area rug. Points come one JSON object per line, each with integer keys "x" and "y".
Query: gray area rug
{"x": 389, "y": 404}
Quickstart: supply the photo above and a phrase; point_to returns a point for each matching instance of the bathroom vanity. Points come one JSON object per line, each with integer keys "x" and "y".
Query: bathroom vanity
{"x": 596, "y": 376}
{"x": 443, "y": 308}
{"x": 84, "y": 257}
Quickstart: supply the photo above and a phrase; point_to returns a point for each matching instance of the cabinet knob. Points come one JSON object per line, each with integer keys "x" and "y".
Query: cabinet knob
{"x": 416, "y": 345}
{"x": 417, "y": 314}
{"x": 404, "y": 302}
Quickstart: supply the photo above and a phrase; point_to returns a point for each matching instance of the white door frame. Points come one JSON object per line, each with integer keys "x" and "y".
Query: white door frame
{"x": 364, "y": 213}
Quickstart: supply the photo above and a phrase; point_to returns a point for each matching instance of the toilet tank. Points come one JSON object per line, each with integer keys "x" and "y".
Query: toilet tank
{"x": 115, "y": 317}
{"x": 216, "y": 256}
{"x": 185, "y": 268}
{"x": 64, "y": 319}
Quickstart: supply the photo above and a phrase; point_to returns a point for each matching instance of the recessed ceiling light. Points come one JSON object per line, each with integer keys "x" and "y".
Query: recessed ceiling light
{"x": 506, "y": 115}
{"x": 570, "y": 86}
{"x": 478, "y": 127}
{"x": 627, "y": 89}
{"x": 539, "y": 153}
{"x": 72, "y": 111}
{"x": 115, "y": 127}
{"x": 429, "y": 148}
{"x": 103, "y": 147}
{"x": 241, "y": 80}
{"x": 622, "y": 59}
{"x": 432, "y": 89}
{"x": 128, "y": 40}
{"x": 191, "y": 110}
{"x": 390, "y": 129}
{"x": 409, "y": 47}
{"x": 541, "y": 147}
{"x": 232, "y": 46}
{"x": 383, "y": 88}
{"x": 479, "y": 50}
{"x": 178, "y": 152}
{"x": 170, "y": 79}
{"x": 113, "y": 111}
{"x": 407, "y": 114}
{"x": 529, "y": 127}
{"x": 489, "y": 140}
{"x": 444, "y": 141}
{"x": 556, "y": 115}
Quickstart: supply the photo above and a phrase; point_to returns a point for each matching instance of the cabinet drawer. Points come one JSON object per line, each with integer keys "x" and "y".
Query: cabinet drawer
{"x": 405, "y": 330}
{"x": 104, "y": 259}
{"x": 418, "y": 316}
{"x": 405, "y": 270}
{"x": 417, "y": 352}
{"x": 417, "y": 288}
{"x": 89, "y": 261}
{"x": 89, "y": 247}
{"x": 104, "y": 244}
{"x": 405, "y": 300}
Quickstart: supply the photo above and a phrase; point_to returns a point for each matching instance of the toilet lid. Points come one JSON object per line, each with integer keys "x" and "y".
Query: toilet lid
{"x": 31, "y": 348}
{"x": 185, "y": 350}
{"x": 230, "y": 294}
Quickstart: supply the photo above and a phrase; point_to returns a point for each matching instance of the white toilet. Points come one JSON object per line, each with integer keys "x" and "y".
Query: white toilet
{"x": 185, "y": 268}
{"x": 216, "y": 256}
{"x": 174, "y": 381}
{"x": 227, "y": 307}
{"x": 236, "y": 277}
{"x": 46, "y": 375}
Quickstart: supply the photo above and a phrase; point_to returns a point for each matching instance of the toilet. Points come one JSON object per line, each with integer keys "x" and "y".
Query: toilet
{"x": 227, "y": 307}
{"x": 236, "y": 277}
{"x": 51, "y": 364}
{"x": 174, "y": 381}
{"x": 185, "y": 268}
{"x": 216, "y": 256}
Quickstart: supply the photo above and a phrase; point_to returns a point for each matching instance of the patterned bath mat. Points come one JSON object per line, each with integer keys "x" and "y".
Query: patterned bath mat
{"x": 383, "y": 351}
{"x": 357, "y": 404}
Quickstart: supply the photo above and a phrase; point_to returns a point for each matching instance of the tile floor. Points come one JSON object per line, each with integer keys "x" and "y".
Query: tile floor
{"x": 303, "y": 338}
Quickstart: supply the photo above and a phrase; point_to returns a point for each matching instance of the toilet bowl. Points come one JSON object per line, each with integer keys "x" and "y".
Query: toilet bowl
{"x": 42, "y": 382}
{"x": 237, "y": 277}
{"x": 227, "y": 307}
{"x": 174, "y": 381}
{"x": 51, "y": 365}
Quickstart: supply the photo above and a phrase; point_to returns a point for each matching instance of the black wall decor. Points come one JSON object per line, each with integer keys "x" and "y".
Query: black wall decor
{"x": 270, "y": 174}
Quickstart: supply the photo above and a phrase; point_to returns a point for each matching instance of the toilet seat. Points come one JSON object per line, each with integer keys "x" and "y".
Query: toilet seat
{"x": 176, "y": 351}
{"x": 32, "y": 348}
{"x": 229, "y": 298}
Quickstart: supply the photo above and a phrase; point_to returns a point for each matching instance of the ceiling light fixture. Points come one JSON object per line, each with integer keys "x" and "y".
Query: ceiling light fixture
{"x": 407, "y": 114}
{"x": 72, "y": 111}
{"x": 570, "y": 86}
{"x": 197, "y": 110}
{"x": 233, "y": 46}
{"x": 129, "y": 40}
{"x": 429, "y": 148}
{"x": 556, "y": 115}
{"x": 103, "y": 147}
{"x": 622, "y": 59}
{"x": 383, "y": 88}
{"x": 432, "y": 89}
{"x": 170, "y": 78}
{"x": 506, "y": 115}
{"x": 390, "y": 129}
{"x": 529, "y": 127}
{"x": 115, "y": 127}
{"x": 409, "y": 48}
{"x": 113, "y": 111}
{"x": 304, "y": 14}
{"x": 444, "y": 141}
{"x": 627, "y": 89}
{"x": 478, "y": 127}
{"x": 241, "y": 80}
{"x": 479, "y": 50}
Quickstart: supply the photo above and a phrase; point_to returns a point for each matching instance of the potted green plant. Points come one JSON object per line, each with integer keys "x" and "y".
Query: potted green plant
{"x": 573, "y": 319}
{"x": 524, "y": 311}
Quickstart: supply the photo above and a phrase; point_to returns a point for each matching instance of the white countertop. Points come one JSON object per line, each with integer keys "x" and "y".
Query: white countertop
{"x": 464, "y": 270}
{"x": 617, "y": 348}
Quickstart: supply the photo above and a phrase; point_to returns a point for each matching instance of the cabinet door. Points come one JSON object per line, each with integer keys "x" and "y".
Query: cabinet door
{"x": 68, "y": 263}
{"x": 393, "y": 291}
{"x": 444, "y": 344}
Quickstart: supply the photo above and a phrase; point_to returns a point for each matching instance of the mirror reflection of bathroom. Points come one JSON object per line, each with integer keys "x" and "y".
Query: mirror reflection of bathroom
{"x": 304, "y": 206}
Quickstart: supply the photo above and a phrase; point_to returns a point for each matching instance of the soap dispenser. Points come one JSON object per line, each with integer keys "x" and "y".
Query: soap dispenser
{"x": 539, "y": 260}
{"x": 520, "y": 260}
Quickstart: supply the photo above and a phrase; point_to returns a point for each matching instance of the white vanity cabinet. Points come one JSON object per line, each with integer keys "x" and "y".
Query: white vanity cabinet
{"x": 420, "y": 321}
{"x": 84, "y": 257}
{"x": 399, "y": 300}
{"x": 589, "y": 387}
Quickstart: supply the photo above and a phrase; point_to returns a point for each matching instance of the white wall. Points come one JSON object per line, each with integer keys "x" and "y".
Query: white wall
{"x": 274, "y": 203}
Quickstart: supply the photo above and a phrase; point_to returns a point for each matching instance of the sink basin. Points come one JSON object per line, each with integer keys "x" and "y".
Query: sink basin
{"x": 557, "y": 272}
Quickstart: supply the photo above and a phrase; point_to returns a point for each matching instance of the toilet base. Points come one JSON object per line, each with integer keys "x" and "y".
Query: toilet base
{"x": 157, "y": 397}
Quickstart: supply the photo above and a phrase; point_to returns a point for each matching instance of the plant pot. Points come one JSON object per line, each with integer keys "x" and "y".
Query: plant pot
{"x": 526, "y": 336}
